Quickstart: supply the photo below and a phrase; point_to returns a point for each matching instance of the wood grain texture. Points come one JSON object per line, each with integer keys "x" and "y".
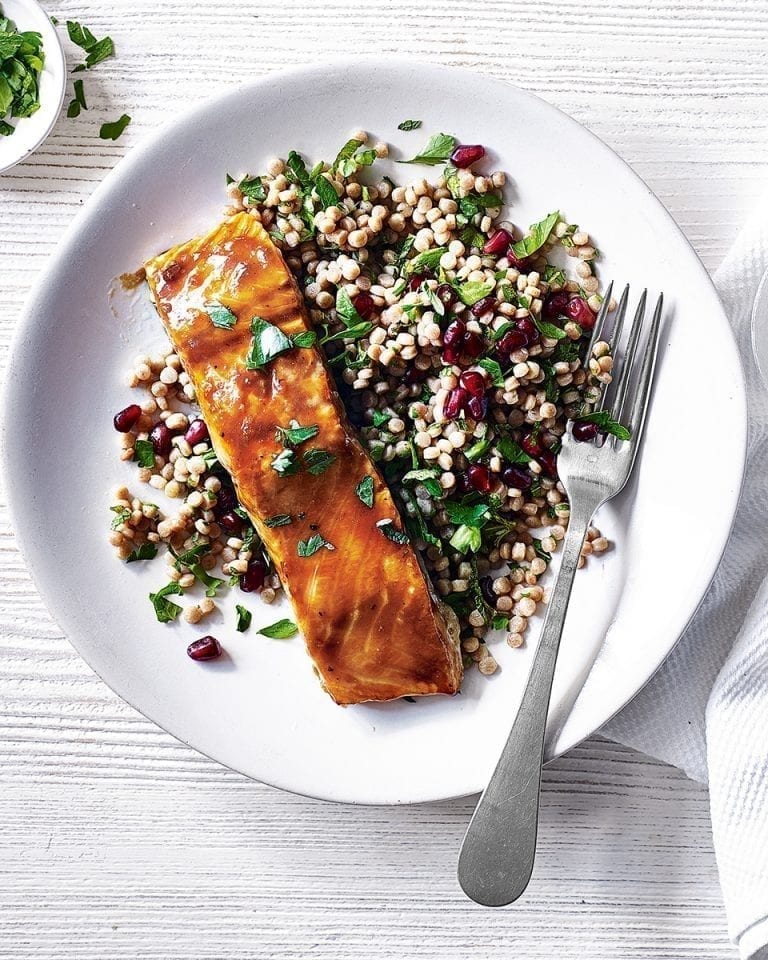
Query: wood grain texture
{"x": 117, "y": 841}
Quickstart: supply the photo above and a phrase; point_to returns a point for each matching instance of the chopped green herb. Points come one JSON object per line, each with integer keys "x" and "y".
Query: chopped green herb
{"x": 244, "y": 618}
{"x": 493, "y": 368}
{"x": 364, "y": 491}
{"x": 537, "y": 237}
{"x": 210, "y": 583}
{"x": 317, "y": 460}
{"x": 420, "y": 475}
{"x": 166, "y": 610}
{"x": 307, "y": 548}
{"x": 78, "y": 103}
{"x": 21, "y": 62}
{"x": 293, "y": 436}
{"x": 279, "y": 520}
{"x": 326, "y": 193}
{"x": 471, "y": 237}
{"x": 511, "y": 451}
{"x": 606, "y": 424}
{"x": 403, "y": 249}
{"x": 479, "y": 448}
{"x": 473, "y": 515}
{"x": 346, "y": 310}
{"x": 348, "y": 162}
{"x": 438, "y": 150}
{"x": 268, "y": 342}
{"x": 306, "y": 339}
{"x": 96, "y": 50}
{"x": 282, "y": 630}
{"x": 296, "y": 170}
{"x": 540, "y": 551}
{"x": 428, "y": 260}
{"x": 253, "y": 188}
{"x": 147, "y": 551}
{"x": 474, "y": 291}
{"x": 500, "y": 622}
{"x": 380, "y": 418}
{"x": 566, "y": 351}
{"x": 144, "y": 453}
{"x": 554, "y": 276}
{"x": 220, "y": 315}
{"x": 475, "y": 203}
{"x": 390, "y": 531}
{"x": 111, "y": 131}
{"x": 434, "y": 301}
{"x": 549, "y": 330}
{"x": 466, "y": 538}
{"x": 357, "y": 332}
{"x": 409, "y": 125}
{"x": 190, "y": 556}
{"x": 122, "y": 515}
{"x": 284, "y": 464}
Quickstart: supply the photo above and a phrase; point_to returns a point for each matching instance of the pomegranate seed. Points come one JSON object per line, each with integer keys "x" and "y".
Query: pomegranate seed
{"x": 231, "y": 521}
{"x": 446, "y": 295}
{"x": 486, "y": 305}
{"x": 477, "y": 407}
{"x": 226, "y": 500}
{"x": 556, "y": 305}
{"x": 160, "y": 436}
{"x": 364, "y": 305}
{"x": 196, "y": 432}
{"x": 474, "y": 382}
{"x": 520, "y": 263}
{"x": 548, "y": 460}
{"x": 127, "y": 418}
{"x": 480, "y": 478}
{"x": 171, "y": 272}
{"x": 579, "y": 311}
{"x": 474, "y": 345}
{"x": 498, "y": 242}
{"x": 516, "y": 477}
{"x": 417, "y": 279}
{"x": 466, "y": 154}
{"x": 531, "y": 445}
{"x": 451, "y": 355}
{"x": 253, "y": 578}
{"x": 206, "y": 648}
{"x": 455, "y": 333}
{"x": 457, "y": 400}
{"x": 462, "y": 483}
{"x": 528, "y": 328}
{"x": 512, "y": 341}
{"x": 486, "y": 588}
{"x": 583, "y": 430}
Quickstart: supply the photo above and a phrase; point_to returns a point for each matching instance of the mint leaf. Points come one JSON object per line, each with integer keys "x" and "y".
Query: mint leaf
{"x": 326, "y": 193}
{"x": 607, "y": 424}
{"x": 211, "y": 584}
{"x": 471, "y": 515}
{"x": 220, "y": 315}
{"x": 279, "y": 520}
{"x": 166, "y": 610}
{"x": 317, "y": 460}
{"x": 284, "y": 464}
{"x": 497, "y": 377}
{"x": 512, "y": 452}
{"x": 144, "y": 453}
{"x": 474, "y": 291}
{"x": 438, "y": 150}
{"x": 466, "y": 538}
{"x": 428, "y": 260}
{"x": 268, "y": 342}
{"x": 111, "y": 131}
{"x": 538, "y": 236}
{"x": 409, "y": 125}
{"x": 80, "y": 36}
{"x": 281, "y": 630}
{"x": 307, "y": 548}
{"x": 122, "y": 515}
{"x": 147, "y": 551}
{"x": 364, "y": 491}
{"x": 549, "y": 329}
{"x": 293, "y": 436}
{"x": 380, "y": 418}
{"x": 390, "y": 531}
{"x": 296, "y": 170}
{"x": 470, "y": 236}
{"x": 306, "y": 339}
{"x": 345, "y": 309}
{"x": 244, "y": 618}
{"x": 479, "y": 448}
{"x": 253, "y": 188}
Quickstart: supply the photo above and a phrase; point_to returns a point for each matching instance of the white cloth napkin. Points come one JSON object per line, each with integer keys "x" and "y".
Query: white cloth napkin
{"x": 706, "y": 711}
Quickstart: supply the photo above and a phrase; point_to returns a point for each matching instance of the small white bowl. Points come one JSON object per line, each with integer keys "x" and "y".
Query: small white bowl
{"x": 32, "y": 131}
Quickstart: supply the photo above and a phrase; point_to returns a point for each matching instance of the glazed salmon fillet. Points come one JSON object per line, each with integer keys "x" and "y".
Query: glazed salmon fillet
{"x": 371, "y": 623}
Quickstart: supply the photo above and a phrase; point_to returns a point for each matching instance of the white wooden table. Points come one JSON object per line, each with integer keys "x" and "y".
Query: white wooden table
{"x": 118, "y": 842}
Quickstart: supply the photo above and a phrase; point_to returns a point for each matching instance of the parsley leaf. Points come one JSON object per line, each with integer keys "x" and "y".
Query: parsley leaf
{"x": 346, "y": 310}
{"x": 475, "y": 203}
{"x": 607, "y": 424}
{"x": 253, "y": 188}
{"x": 147, "y": 551}
{"x": 268, "y": 342}
{"x": 479, "y": 448}
{"x": 166, "y": 610}
{"x": 281, "y": 630}
{"x": 390, "y": 531}
{"x": 307, "y": 548}
{"x": 220, "y": 315}
{"x": 144, "y": 453}
{"x": 111, "y": 131}
{"x": 284, "y": 464}
{"x": 317, "y": 460}
{"x": 364, "y": 491}
{"x": 540, "y": 551}
{"x": 244, "y": 618}
{"x": 538, "y": 236}
{"x": 279, "y": 520}
{"x": 438, "y": 150}
{"x": 500, "y": 621}
{"x": 293, "y": 436}
{"x": 409, "y": 125}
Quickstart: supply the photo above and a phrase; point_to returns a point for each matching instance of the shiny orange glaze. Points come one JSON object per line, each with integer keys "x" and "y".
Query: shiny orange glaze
{"x": 369, "y": 618}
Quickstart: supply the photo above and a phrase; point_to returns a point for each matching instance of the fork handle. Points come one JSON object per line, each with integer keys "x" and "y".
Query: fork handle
{"x": 499, "y": 848}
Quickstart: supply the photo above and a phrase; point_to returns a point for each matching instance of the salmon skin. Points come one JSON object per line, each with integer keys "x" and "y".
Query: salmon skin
{"x": 371, "y": 623}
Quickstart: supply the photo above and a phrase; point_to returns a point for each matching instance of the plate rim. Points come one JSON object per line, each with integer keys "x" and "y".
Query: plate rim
{"x": 393, "y": 65}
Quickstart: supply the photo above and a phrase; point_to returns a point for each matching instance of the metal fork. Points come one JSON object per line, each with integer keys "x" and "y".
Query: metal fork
{"x": 496, "y": 859}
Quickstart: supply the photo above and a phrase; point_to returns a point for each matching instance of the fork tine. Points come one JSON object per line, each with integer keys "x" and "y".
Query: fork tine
{"x": 602, "y": 313}
{"x": 621, "y": 311}
{"x": 628, "y": 359}
{"x": 639, "y": 409}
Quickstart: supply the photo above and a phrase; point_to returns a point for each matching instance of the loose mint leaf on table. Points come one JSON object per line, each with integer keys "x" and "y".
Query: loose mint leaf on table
{"x": 112, "y": 131}
{"x": 409, "y": 125}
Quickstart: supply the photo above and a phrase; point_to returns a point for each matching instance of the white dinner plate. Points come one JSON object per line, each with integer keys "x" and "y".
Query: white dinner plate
{"x": 32, "y": 131}
{"x": 260, "y": 709}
